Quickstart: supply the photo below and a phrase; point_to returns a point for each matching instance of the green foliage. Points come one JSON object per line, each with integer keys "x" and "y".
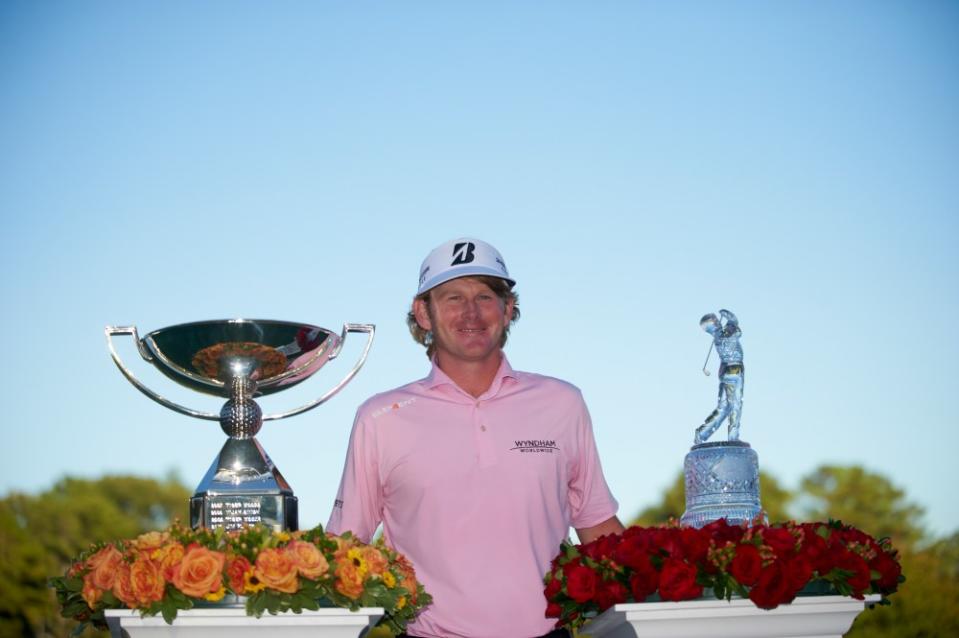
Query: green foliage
{"x": 864, "y": 499}
{"x": 40, "y": 534}
{"x": 927, "y": 604}
{"x": 775, "y": 499}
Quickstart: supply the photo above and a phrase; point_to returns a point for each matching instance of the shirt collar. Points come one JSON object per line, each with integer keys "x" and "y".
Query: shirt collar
{"x": 437, "y": 378}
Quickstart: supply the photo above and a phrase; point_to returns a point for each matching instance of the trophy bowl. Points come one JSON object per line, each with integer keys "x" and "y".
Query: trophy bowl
{"x": 239, "y": 359}
{"x": 204, "y": 355}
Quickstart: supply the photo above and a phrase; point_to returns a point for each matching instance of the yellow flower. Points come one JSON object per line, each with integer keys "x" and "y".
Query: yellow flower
{"x": 217, "y": 595}
{"x": 252, "y": 584}
{"x": 389, "y": 580}
{"x": 283, "y": 537}
{"x": 401, "y": 602}
{"x": 356, "y": 555}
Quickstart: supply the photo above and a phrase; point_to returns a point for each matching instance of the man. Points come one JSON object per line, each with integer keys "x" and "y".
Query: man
{"x": 476, "y": 471}
{"x": 731, "y": 371}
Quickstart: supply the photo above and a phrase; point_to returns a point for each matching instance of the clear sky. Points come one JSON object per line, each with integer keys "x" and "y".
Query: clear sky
{"x": 637, "y": 164}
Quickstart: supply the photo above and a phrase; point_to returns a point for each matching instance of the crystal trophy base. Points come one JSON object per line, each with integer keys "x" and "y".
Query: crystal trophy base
{"x": 722, "y": 481}
{"x": 243, "y": 487}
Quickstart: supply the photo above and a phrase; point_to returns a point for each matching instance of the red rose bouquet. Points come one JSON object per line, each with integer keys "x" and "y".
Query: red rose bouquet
{"x": 163, "y": 572}
{"x": 770, "y": 565}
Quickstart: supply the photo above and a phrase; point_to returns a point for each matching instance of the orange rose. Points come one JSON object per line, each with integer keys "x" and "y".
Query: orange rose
{"x": 146, "y": 581}
{"x": 150, "y": 541}
{"x": 407, "y": 576}
{"x": 122, "y": 587}
{"x": 309, "y": 561}
{"x": 275, "y": 569}
{"x": 103, "y": 566}
{"x": 237, "y": 567}
{"x": 168, "y": 557}
{"x": 349, "y": 579}
{"x": 375, "y": 560}
{"x": 200, "y": 572}
{"x": 91, "y": 593}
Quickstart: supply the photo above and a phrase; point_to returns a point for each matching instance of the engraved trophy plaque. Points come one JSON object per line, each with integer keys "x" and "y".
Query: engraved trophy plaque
{"x": 722, "y": 477}
{"x": 239, "y": 359}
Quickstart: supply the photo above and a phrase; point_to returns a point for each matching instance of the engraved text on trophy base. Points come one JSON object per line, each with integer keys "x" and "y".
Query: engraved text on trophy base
{"x": 235, "y": 511}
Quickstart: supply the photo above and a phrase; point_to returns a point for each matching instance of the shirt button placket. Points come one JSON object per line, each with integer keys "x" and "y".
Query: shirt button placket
{"x": 487, "y": 451}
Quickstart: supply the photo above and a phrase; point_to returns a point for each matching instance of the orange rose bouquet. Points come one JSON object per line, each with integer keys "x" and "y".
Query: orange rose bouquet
{"x": 164, "y": 572}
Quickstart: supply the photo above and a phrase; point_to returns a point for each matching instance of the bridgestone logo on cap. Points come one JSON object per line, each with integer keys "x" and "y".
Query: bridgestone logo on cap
{"x": 463, "y": 253}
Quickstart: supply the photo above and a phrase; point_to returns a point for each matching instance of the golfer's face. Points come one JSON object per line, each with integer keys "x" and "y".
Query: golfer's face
{"x": 467, "y": 320}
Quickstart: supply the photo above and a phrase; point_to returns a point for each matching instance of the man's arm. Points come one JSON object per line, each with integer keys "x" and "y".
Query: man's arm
{"x": 358, "y": 506}
{"x": 609, "y": 526}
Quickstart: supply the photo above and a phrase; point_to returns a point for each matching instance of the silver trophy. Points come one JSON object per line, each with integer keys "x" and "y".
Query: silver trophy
{"x": 722, "y": 477}
{"x": 239, "y": 359}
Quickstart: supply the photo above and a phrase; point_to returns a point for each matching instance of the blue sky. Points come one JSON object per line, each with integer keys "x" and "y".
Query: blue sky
{"x": 637, "y": 164}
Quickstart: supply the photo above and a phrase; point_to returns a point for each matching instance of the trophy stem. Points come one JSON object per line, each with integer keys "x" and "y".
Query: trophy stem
{"x": 243, "y": 486}
{"x": 241, "y": 416}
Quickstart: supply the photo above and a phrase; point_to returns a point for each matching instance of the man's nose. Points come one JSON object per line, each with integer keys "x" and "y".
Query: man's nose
{"x": 471, "y": 308}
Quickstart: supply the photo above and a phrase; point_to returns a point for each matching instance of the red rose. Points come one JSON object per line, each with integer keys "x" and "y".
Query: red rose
{"x": 643, "y": 582}
{"x": 746, "y": 565}
{"x": 695, "y": 544}
{"x": 632, "y": 553}
{"x": 581, "y": 583}
{"x": 670, "y": 541}
{"x": 721, "y": 532}
{"x": 237, "y": 568}
{"x": 609, "y": 593}
{"x": 771, "y": 588}
{"x": 553, "y": 610}
{"x": 600, "y": 548}
{"x": 798, "y": 572}
{"x": 815, "y": 549}
{"x": 859, "y": 577}
{"x": 553, "y": 588}
{"x": 780, "y": 539}
{"x": 677, "y": 581}
{"x": 889, "y": 572}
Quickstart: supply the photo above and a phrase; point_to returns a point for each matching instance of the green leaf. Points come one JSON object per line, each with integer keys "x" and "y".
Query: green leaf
{"x": 169, "y": 612}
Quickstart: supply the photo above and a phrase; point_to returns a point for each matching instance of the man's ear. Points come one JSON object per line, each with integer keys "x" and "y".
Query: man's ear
{"x": 422, "y": 314}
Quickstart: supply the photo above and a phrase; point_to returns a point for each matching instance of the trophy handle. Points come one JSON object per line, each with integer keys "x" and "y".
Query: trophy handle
{"x": 369, "y": 329}
{"x": 110, "y": 331}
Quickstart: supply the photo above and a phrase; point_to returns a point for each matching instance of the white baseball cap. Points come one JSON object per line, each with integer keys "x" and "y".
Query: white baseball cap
{"x": 461, "y": 258}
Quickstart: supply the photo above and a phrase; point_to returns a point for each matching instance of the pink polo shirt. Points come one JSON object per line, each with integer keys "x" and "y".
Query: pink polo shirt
{"x": 477, "y": 492}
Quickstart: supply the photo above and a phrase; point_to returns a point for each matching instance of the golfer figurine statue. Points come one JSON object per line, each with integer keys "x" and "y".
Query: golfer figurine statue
{"x": 722, "y": 477}
{"x": 725, "y": 333}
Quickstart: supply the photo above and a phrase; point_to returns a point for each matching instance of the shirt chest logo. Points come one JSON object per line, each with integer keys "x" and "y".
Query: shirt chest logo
{"x": 535, "y": 446}
{"x": 393, "y": 407}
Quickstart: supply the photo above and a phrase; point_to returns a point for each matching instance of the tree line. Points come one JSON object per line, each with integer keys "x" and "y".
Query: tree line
{"x": 41, "y": 533}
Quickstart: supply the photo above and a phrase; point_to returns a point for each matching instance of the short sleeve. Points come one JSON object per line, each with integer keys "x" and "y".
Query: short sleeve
{"x": 359, "y": 501}
{"x": 590, "y": 500}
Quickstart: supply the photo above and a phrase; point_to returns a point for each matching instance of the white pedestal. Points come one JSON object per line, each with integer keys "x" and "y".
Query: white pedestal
{"x": 805, "y": 617}
{"x": 232, "y": 622}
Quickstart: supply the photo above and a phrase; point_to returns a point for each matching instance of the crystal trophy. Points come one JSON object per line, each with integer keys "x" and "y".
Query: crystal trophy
{"x": 239, "y": 359}
{"x": 722, "y": 477}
